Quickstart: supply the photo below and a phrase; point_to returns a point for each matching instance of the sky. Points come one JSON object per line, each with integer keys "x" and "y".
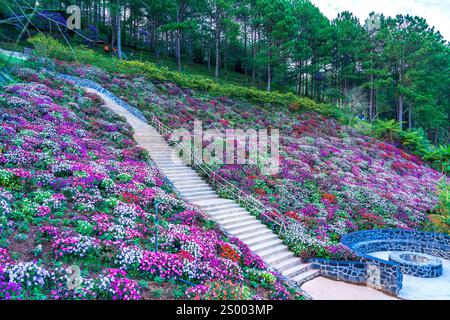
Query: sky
{"x": 436, "y": 12}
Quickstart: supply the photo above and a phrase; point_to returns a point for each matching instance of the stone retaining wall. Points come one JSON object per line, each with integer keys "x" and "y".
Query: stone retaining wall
{"x": 349, "y": 271}
{"x": 378, "y": 273}
{"x": 363, "y": 242}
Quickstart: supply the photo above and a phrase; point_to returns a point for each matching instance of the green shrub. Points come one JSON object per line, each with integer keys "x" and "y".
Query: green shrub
{"x": 443, "y": 206}
{"x": 440, "y": 158}
{"x": 51, "y": 48}
{"x": 386, "y": 129}
{"x": 415, "y": 141}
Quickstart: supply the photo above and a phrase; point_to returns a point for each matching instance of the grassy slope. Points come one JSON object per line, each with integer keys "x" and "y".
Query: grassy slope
{"x": 188, "y": 67}
{"x": 48, "y": 47}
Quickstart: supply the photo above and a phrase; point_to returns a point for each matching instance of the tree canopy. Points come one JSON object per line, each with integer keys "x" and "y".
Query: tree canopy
{"x": 380, "y": 68}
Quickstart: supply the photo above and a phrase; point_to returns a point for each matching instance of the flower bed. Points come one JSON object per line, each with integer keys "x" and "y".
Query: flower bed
{"x": 332, "y": 180}
{"x": 76, "y": 193}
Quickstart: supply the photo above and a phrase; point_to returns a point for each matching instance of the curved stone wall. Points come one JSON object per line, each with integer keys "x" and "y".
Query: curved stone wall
{"x": 364, "y": 242}
{"x": 386, "y": 275}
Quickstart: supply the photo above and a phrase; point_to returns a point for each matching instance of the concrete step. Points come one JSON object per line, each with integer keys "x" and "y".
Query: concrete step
{"x": 169, "y": 163}
{"x": 295, "y": 270}
{"x": 160, "y": 149}
{"x": 174, "y": 165}
{"x": 222, "y": 214}
{"x": 198, "y": 192}
{"x": 242, "y": 230}
{"x": 186, "y": 179}
{"x": 221, "y": 207}
{"x": 241, "y": 224}
{"x": 256, "y": 235}
{"x": 181, "y": 174}
{"x": 305, "y": 276}
{"x": 187, "y": 184}
{"x": 195, "y": 189}
{"x": 176, "y": 170}
{"x": 278, "y": 257}
{"x": 252, "y": 240}
{"x": 287, "y": 263}
{"x": 269, "y": 252}
{"x": 203, "y": 197}
{"x": 266, "y": 244}
{"x": 239, "y": 218}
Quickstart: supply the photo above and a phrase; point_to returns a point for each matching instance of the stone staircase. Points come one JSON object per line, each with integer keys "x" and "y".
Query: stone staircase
{"x": 230, "y": 216}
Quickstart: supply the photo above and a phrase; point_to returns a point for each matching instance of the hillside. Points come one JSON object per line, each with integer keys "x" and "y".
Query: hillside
{"x": 224, "y": 150}
{"x": 332, "y": 180}
{"x": 77, "y": 198}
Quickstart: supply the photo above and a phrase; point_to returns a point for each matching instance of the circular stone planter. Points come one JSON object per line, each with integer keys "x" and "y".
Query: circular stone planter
{"x": 417, "y": 265}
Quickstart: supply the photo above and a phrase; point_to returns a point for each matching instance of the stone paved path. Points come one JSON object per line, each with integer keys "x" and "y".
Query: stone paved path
{"x": 322, "y": 288}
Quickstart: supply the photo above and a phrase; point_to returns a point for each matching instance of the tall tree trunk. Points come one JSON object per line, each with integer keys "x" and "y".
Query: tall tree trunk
{"x": 245, "y": 47}
{"x": 371, "y": 100}
{"x": 216, "y": 72}
{"x": 410, "y": 116}
{"x": 269, "y": 69}
{"x": 178, "y": 41}
{"x": 209, "y": 58}
{"x": 224, "y": 53}
{"x": 253, "y": 57}
{"x": 104, "y": 15}
{"x": 96, "y": 14}
{"x": 113, "y": 26}
{"x": 209, "y": 45}
{"x": 119, "y": 33}
{"x": 400, "y": 99}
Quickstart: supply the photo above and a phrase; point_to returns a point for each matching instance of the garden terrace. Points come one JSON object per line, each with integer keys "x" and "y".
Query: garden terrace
{"x": 332, "y": 180}
{"x": 76, "y": 191}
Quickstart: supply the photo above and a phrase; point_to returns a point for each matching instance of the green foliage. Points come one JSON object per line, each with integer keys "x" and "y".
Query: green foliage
{"x": 7, "y": 179}
{"x": 443, "y": 206}
{"x": 440, "y": 217}
{"x": 386, "y": 129}
{"x": 84, "y": 228}
{"x": 262, "y": 278}
{"x": 415, "y": 141}
{"x": 440, "y": 157}
{"x": 51, "y": 48}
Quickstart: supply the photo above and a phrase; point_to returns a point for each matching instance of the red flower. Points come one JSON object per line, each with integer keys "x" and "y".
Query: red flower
{"x": 260, "y": 191}
{"x": 329, "y": 197}
{"x": 227, "y": 252}
{"x": 128, "y": 197}
{"x": 185, "y": 255}
{"x": 293, "y": 215}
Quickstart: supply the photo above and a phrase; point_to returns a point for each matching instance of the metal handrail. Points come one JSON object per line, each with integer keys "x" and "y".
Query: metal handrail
{"x": 225, "y": 184}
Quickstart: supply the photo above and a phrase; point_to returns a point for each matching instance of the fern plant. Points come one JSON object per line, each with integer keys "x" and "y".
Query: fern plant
{"x": 440, "y": 157}
{"x": 386, "y": 129}
{"x": 415, "y": 141}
